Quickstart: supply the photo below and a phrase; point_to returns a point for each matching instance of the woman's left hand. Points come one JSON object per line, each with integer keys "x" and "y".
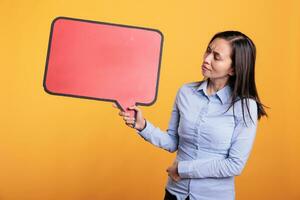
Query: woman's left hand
{"x": 173, "y": 171}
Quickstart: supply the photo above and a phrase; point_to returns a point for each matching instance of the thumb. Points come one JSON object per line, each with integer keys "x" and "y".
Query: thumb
{"x": 134, "y": 108}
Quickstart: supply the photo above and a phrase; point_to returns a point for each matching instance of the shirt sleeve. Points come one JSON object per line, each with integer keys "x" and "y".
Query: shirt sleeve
{"x": 241, "y": 145}
{"x": 167, "y": 140}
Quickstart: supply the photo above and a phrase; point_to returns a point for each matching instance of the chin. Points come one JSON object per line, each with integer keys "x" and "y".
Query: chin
{"x": 205, "y": 75}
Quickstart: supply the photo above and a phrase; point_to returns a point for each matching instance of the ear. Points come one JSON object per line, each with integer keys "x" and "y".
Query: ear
{"x": 231, "y": 71}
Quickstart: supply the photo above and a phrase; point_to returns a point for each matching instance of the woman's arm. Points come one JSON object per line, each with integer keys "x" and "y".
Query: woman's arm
{"x": 167, "y": 140}
{"x": 242, "y": 142}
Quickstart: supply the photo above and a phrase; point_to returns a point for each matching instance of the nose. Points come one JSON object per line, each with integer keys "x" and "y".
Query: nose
{"x": 207, "y": 58}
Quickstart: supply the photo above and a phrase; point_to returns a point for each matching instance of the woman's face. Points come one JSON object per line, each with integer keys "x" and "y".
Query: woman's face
{"x": 217, "y": 61}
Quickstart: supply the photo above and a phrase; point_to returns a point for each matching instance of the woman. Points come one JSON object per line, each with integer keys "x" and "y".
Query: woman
{"x": 213, "y": 122}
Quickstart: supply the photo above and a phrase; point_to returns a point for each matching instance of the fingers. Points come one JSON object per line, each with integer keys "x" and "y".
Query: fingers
{"x": 129, "y": 121}
{"x": 176, "y": 179}
{"x": 122, "y": 113}
{"x": 134, "y": 108}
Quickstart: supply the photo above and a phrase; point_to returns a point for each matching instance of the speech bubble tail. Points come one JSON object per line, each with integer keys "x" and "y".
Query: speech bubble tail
{"x": 125, "y": 107}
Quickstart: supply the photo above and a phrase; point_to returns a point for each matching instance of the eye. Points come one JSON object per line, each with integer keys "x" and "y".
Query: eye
{"x": 217, "y": 57}
{"x": 208, "y": 50}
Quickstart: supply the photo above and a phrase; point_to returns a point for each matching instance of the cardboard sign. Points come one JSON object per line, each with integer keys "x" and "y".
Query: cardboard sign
{"x": 103, "y": 61}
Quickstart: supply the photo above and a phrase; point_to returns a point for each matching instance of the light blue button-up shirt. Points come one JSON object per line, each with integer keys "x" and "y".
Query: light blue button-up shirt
{"x": 212, "y": 145}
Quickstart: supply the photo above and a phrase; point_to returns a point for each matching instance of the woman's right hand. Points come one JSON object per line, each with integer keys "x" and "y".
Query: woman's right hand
{"x": 138, "y": 123}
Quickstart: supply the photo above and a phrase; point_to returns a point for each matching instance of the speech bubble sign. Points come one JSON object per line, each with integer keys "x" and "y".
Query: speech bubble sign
{"x": 103, "y": 61}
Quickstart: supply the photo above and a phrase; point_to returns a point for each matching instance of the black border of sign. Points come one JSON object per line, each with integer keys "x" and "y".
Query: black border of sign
{"x": 98, "y": 22}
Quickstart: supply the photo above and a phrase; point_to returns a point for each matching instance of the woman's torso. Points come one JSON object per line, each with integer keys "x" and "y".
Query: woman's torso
{"x": 205, "y": 131}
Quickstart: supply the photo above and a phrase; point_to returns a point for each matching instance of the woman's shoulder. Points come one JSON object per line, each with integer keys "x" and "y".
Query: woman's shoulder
{"x": 245, "y": 101}
{"x": 246, "y": 106}
{"x": 190, "y": 85}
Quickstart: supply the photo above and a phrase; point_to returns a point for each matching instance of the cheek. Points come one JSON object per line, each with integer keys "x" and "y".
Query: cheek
{"x": 220, "y": 67}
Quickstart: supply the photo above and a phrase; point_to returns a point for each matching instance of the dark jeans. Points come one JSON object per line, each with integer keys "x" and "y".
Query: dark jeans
{"x": 169, "y": 196}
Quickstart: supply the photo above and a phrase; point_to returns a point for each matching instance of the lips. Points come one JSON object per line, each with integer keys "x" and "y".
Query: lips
{"x": 205, "y": 68}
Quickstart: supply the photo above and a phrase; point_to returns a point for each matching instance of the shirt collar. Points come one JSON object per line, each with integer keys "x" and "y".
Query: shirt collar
{"x": 224, "y": 94}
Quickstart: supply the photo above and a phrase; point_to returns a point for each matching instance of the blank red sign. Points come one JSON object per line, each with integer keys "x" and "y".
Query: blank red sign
{"x": 103, "y": 61}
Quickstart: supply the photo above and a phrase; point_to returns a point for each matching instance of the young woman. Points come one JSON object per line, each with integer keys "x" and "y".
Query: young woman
{"x": 213, "y": 122}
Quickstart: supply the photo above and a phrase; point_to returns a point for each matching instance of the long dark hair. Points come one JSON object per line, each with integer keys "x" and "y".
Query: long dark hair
{"x": 242, "y": 83}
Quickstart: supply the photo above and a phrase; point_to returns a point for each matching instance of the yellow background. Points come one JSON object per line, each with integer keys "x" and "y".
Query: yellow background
{"x": 58, "y": 148}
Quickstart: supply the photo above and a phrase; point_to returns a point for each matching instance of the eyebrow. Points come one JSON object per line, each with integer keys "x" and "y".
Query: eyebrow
{"x": 215, "y": 51}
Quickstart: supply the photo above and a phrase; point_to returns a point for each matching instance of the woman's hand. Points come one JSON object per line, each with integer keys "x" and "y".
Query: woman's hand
{"x": 173, "y": 171}
{"x": 139, "y": 123}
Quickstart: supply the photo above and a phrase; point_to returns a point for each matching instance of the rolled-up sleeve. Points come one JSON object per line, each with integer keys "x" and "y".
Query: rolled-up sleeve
{"x": 241, "y": 146}
{"x": 167, "y": 140}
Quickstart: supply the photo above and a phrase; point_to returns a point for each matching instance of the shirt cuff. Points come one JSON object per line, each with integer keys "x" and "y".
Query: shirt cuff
{"x": 144, "y": 126}
{"x": 184, "y": 169}
{"x": 145, "y": 133}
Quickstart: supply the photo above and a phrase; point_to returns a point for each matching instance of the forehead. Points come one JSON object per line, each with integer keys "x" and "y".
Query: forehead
{"x": 221, "y": 46}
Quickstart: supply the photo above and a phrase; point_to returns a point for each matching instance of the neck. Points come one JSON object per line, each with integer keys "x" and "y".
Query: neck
{"x": 214, "y": 85}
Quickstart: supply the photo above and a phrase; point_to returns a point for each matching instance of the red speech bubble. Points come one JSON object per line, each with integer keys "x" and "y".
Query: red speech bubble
{"x": 103, "y": 61}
